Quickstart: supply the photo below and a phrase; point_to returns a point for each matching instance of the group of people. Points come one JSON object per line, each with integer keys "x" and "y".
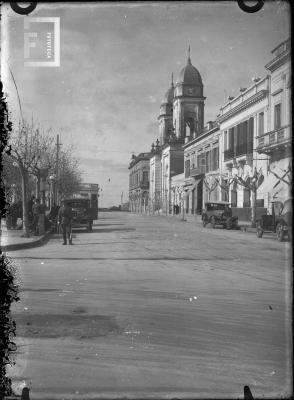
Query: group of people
{"x": 58, "y": 216}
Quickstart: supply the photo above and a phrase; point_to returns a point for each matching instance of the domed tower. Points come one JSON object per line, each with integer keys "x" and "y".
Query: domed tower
{"x": 188, "y": 107}
{"x": 165, "y": 117}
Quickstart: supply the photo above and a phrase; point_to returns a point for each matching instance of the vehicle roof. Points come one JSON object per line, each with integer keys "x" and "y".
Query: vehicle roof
{"x": 217, "y": 202}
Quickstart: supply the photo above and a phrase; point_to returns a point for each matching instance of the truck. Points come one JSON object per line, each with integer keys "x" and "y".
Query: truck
{"x": 84, "y": 205}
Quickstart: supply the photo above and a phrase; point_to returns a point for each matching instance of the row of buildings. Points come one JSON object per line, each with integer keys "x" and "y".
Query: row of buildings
{"x": 243, "y": 156}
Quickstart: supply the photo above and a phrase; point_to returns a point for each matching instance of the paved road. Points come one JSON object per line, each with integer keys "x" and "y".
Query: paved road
{"x": 152, "y": 307}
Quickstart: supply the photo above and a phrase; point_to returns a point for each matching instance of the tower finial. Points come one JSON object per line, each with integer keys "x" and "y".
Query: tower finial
{"x": 189, "y": 55}
{"x": 172, "y": 81}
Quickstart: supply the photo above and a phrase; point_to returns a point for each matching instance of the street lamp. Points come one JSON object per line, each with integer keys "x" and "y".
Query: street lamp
{"x": 52, "y": 179}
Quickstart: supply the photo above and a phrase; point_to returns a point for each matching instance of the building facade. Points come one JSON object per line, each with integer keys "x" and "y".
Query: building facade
{"x": 139, "y": 182}
{"x": 274, "y": 142}
{"x": 255, "y": 139}
{"x": 243, "y": 157}
{"x": 202, "y": 169}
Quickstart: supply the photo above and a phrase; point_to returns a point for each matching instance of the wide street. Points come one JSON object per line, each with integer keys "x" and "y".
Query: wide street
{"x": 154, "y": 307}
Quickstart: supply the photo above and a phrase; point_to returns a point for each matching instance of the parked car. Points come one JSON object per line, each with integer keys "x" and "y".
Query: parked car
{"x": 219, "y": 213}
{"x": 83, "y": 214}
{"x": 280, "y": 221}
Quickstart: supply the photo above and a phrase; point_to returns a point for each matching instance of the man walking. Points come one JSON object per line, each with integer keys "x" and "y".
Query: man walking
{"x": 65, "y": 218}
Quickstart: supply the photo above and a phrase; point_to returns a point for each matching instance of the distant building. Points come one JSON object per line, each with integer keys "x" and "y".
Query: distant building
{"x": 139, "y": 182}
{"x": 181, "y": 119}
{"x": 202, "y": 169}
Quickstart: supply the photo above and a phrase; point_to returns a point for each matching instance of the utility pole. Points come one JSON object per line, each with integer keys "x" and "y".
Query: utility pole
{"x": 56, "y": 194}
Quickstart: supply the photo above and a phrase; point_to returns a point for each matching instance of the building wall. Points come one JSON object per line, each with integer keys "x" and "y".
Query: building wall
{"x": 155, "y": 182}
{"x": 246, "y": 108}
{"x": 204, "y": 156}
{"x": 139, "y": 179}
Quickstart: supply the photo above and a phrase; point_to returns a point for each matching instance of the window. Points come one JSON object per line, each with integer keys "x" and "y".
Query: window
{"x": 231, "y": 139}
{"x": 187, "y": 168}
{"x": 145, "y": 176}
{"x": 277, "y": 116}
{"x": 234, "y": 198}
{"x": 207, "y": 161}
{"x": 261, "y": 124}
{"x": 225, "y": 140}
{"x": 250, "y": 135}
{"x": 215, "y": 159}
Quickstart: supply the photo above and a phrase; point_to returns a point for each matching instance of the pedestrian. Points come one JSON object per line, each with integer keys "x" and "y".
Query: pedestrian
{"x": 65, "y": 220}
{"x": 30, "y": 208}
{"x": 36, "y": 210}
{"x": 53, "y": 214}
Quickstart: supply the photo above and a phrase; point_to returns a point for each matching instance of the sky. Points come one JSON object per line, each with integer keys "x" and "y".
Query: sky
{"x": 116, "y": 61}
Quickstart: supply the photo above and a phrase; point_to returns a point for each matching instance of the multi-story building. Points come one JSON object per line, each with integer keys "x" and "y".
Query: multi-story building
{"x": 274, "y": 141}
{"x": 250, "y": 141}
{"x": 255, "y": 137}
{"x": 155, "y": 178}
{"x": 202, "y": 169}
{"x": 139, "y": 182}
{"x": 240, "y": 119}
{"x": 181, "y": 118}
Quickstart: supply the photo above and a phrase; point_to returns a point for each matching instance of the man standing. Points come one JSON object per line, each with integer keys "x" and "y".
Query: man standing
{"x": 65, "y": 218}
{"x": 36, "y": 212}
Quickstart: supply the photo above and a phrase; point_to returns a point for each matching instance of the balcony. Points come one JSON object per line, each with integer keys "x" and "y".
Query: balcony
{"x": 279, "y": 139}
{"x": 199, "y": 171}
{"x": 144, "y": 185}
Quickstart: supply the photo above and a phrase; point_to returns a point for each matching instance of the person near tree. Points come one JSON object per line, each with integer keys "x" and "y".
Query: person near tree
{"x": 65, "y": 220}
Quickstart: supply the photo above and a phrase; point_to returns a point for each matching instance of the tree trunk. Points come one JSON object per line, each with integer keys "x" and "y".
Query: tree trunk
{"x": 253, "y": 208}
{"x": 25, "y": 219}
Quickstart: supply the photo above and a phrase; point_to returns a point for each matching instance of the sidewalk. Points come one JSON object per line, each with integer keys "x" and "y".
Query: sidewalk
{"x": 12, "y": 239}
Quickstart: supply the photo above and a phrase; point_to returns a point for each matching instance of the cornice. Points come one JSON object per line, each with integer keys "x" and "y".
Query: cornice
{"x": 245, "y": 104}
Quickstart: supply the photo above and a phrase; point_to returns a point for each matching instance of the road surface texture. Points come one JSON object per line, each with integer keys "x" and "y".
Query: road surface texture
{"x": 152, "y": 307}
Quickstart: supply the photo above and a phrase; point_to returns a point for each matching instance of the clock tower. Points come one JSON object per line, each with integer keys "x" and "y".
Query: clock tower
{"x": 188, "y": 104}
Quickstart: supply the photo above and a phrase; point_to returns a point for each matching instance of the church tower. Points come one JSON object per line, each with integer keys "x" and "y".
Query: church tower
{"x": 188, "y": 104}
{"x": 165, "y": 117}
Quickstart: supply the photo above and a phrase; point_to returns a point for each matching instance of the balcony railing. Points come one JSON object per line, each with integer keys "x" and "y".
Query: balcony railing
{"x": 144, "y": 184}
{"x": 269, "y": 141}
{"x": 197, "y": 171}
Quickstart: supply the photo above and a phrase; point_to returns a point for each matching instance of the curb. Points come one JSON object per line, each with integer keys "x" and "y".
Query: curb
{"x": 19, "y": 246}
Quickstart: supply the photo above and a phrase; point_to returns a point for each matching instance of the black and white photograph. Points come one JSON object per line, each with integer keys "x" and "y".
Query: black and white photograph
{"x": 146, "y": 190}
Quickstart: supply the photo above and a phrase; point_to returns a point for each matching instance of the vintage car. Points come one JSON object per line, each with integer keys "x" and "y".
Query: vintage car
{"x": 219, "y": 213}
{"x": 83, "y": 214}
{"x": 280, "y": 221}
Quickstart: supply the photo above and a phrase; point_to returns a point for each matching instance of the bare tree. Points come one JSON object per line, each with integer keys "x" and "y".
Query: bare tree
{"x": 252, "y": 183}
{"x": 69, "y": 176}
{"x": 210, "y": 186}
{"x": 24, "y": 147}
{"x": 225, "y": 184}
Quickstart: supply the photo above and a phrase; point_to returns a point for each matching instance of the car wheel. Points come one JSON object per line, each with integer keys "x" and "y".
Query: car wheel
{"x": 213, "y": 222}
{"x": 204, "y": 221}
{"x": 259, "y": 232}
{"x": 280, "y": 233}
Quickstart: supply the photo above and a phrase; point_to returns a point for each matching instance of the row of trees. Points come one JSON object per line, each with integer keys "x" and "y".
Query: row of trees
{"x": 31, "y": 158}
